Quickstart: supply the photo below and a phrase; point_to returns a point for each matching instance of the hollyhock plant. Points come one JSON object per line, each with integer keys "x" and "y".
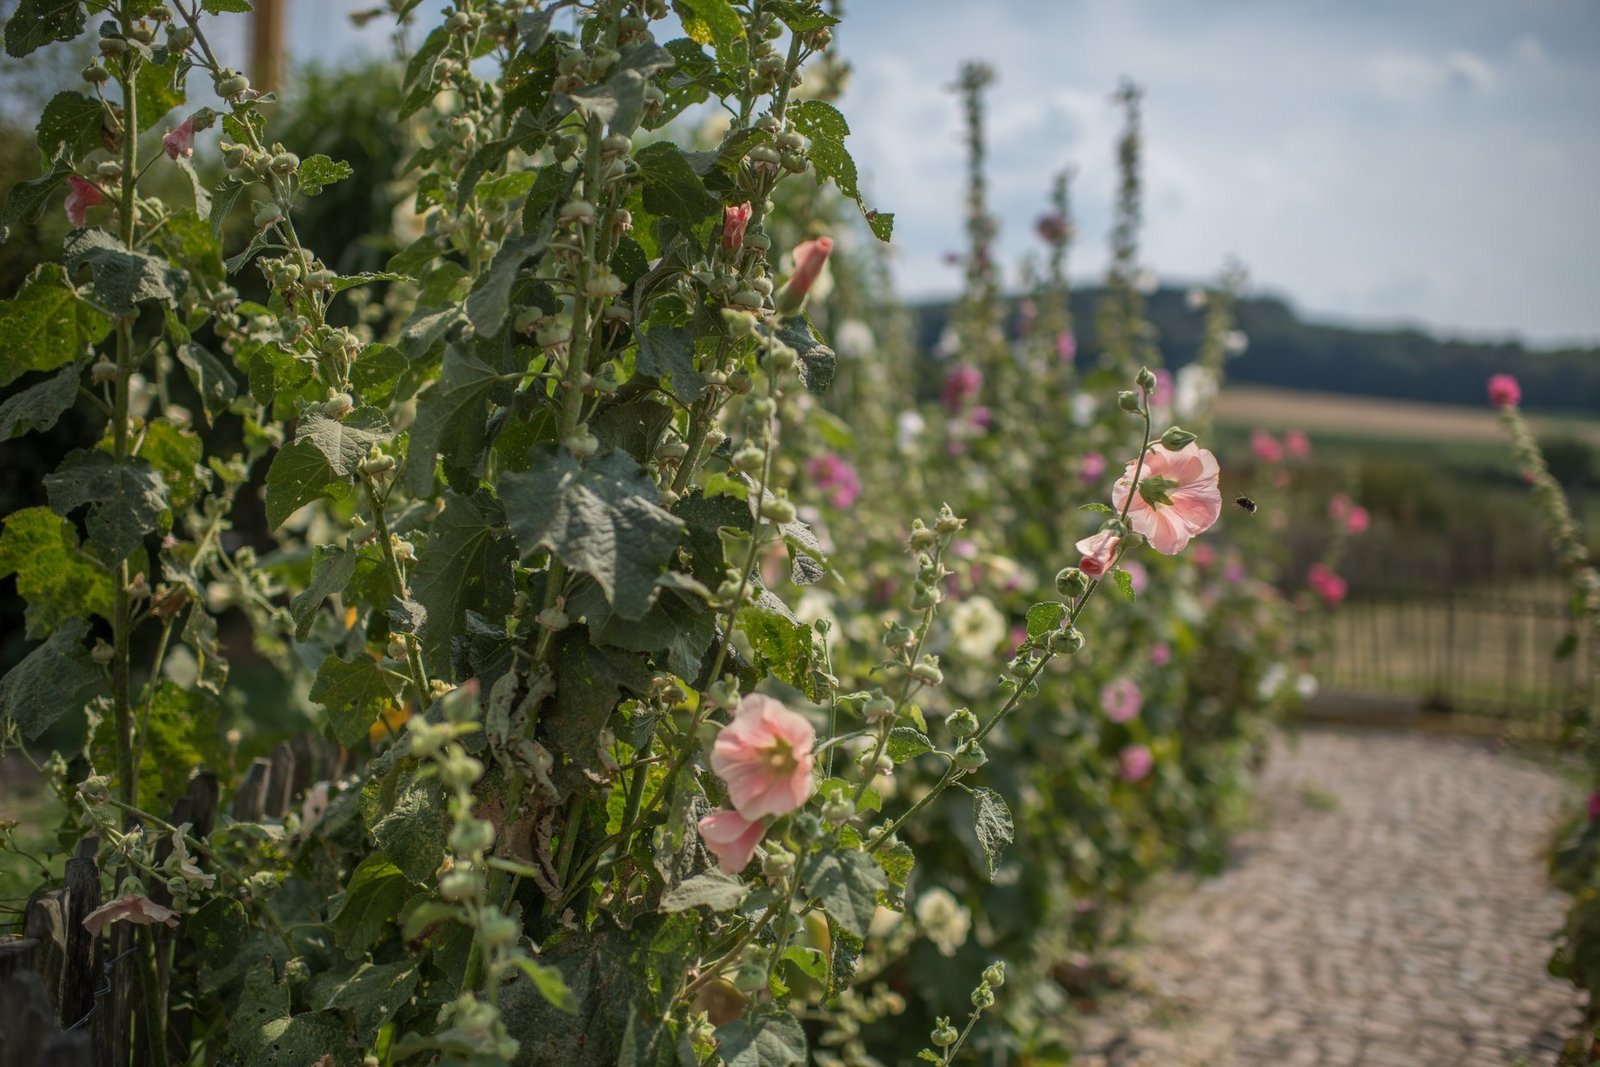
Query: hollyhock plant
{"x": 1091, "y": 467}
{"x": 1357, "y": 520}
{"x": 1326, "y": 584}
{"x": 1067, "y": 347}
{"x": 731, "y": 838}
{"x": 809, "y": 259}
{"x": 179, "y": 141}
{"x": 82, "y": 194}
{"x": 1121, "y": 699}
{"x": 1297, "y": 444}
{"x": 1504, "y": 392}
{"x": 764, "y": 757}
{"x": 1266, "y": 447}
{"x": 961, "y": 386}
{"x": 1099, "y": 553}
{"x": 1160, "y": 654}
{"x": 1178, "y": 496}
{"x": 836, "y": 477}
{"x": 734, "y": 221}
{"x": 1135, "y": 763}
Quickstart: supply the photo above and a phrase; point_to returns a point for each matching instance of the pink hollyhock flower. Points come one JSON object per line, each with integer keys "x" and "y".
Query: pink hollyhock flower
{"x": 1091, "y": 468}
{"x": 180, "y": 141}
{"x": 1121, "y": 699}
{"x": 1234, "y": 572}
{"x": 980, "y": 417}
{"x": 1067, "y": 347}
{"x": 1339, "y": 507}
{"x": 809, "y": 259}
{"x": 1203, "y": 555}
{"x": 1138, "y": 577}
{"x": 1266, "y": 447}
{"x": 731, "y": 838}
{"x": 1161, "y": 395}
{"x": 1178, "y": 496}
{"x": 134, "y": 909}
{"x": 1297, "y": 444}
{"x": 1594, "y": 806}
{"x": 836, "y": 477}
{"x": 1160, "y": 654}
{"x": 961, "y": 386}
{"x": 734, "y": 221}
{"x": 1019, "y": 635}
{"x": 1136, "y": 763}
{"x": 764, "y": 757}
{"x": 1099, "y": 552}
{"x": 82, "y": 194}
{"x": 1504, "y": 392}
{"x": 1052, "y": 228}
{"x": 1326, "y": 584}
{"x": 1358, "y": 520}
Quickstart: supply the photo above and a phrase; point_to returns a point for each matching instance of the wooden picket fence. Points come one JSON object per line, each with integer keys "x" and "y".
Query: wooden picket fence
{"x": 70, "y": 999}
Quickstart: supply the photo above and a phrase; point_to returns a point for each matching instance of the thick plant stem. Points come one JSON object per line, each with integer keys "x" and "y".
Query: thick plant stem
{"x": 397, "y": 576}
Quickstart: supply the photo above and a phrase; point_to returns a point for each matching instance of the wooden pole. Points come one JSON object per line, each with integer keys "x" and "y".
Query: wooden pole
{"x": 266, "y": 44}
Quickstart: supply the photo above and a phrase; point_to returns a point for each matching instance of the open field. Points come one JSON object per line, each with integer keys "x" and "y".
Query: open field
{"x": 1376, "y": 418}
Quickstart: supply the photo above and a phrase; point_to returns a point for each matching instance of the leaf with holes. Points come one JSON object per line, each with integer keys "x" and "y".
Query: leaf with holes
{"x": 991, "y": 819}
{"x": 354, "y": 692}
{"x": 37, "y": 408}
{"x": 46, "y": 325}
{"x": 44, "y": 685}
{"x": 126, "y": 500}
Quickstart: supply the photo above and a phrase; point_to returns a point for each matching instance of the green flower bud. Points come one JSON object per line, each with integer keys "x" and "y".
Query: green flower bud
{"x": 948, "y": 522}
{"x": 970, "y": 756}
{"x": 1176, "y": 438}
{"x": 1067, "y": 642}
{"x": 927, "y": 671}
{"x": 1145, "y": 379}
{"x": 739, "y": 323}
{"x": 778, "y": 509}
{"x": 95, "y": 74}
{"x": 1071, "y": 582}
{"x": 983, "y": 996}
{"x": 898, "y": 635}
{"x": 285, "y": 163}
{"x": 838, "y": 810}
{"x": 945, "y": 1035}
{"x": 962, "y": 723}
{"x": 995, "y": 974}
{"x": 459, "y": 885}
{"x": 472, "y": 835}
{"x": 778, "y": 862}
{"x": 231, "y": 85}
{"x": 1128, "y": 400}
{"x": 878, "y": 707}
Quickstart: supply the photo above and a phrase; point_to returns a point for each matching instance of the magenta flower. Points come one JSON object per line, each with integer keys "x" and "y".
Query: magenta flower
{"x": 961, "y": 386}
{"x": 1091, "y": 467}
{"x": 180, "y": 141}
{"x": 764, "y": 757}
{"x": 1135, "y": 763}
{"x": 1099, "y": 553}
{"x": 1358, "y": 520}
{"x": 1233, "y": 572}
{"x": 1266, "y": 447}
{"x": 734, "y": 221}
{"x": 1052, "y": 229}
{"x": 731, "y": 838}
{"x": 1594, "y": 806}
{"x": 980, "y": 417}
{"x": 836, "y": 477}
{"x": 1121, "y": 699}
{"x": 1504, "y": 392}
{"x": 1160, "y": 654}
{"x": 1297, "y": 444}
{"x": 82, "y": 194}
{"x": 1067, "y": 347}
{"x": 1326, "y": 584}
{"x": 136, "y": 909}
{"x": 809, "y": 259}
{"x": 1178, "y": 496}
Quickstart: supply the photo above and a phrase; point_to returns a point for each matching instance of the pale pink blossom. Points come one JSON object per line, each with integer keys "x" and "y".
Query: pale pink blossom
{"x": 1067, "y": 347}
{"x": 1135, "y": 763}
{"x": 137, "y": 909}
{"x": 1203, "y": 555}
{"x": 1504, "y": 392}
{"x": 1121, "y": 699}
{"x": 809, "y": 259}
{"x": 1233, "y": 572}
{"x": 1178, "y": 496}
{"x": 1160, "y": 654}
{"x": 1091, "y": 467}
{"x": 1138, "y": 577}
{"x": 82, "y": 194}
{"x": 180, "y": 141}
{"x": 731, "y": 838}
{"x": 1161, "y": 395}
{"x": 1099, "y": 553}
{"x": 734, "y": 221}
{"x": 1266, "y": 447}
{"x": 764, "y": 757}
{"x": 1297, "y": 444}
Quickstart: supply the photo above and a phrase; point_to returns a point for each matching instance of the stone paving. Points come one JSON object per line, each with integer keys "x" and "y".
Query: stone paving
{"x": 1391, "y": 910}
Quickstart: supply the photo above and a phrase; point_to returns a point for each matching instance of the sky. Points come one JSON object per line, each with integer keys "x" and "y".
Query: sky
{"x": 1431, "y": 163}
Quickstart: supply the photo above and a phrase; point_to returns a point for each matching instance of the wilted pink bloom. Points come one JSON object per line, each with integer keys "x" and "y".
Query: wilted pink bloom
{"x": 1067, "y": 347}
{"x": 1297, "y": 444}
{"x": 1138, "y": 577}
{"x": 1326, "y": 584}
{"x": 1121, "y": 699}
{"x": 809, "y": 259}
{"x": 1594, "y": 806}
{"x": 1358, "y": 520}
{"x": 134, "y": 909}
{"x": 731, "y": 838}
{"x": 1178, "y": 496}
{"x": 1266, "y": 447}
{"x": 734, "y": 221}
{"x": 1052, "y": 228}
{"x": 1504, "y": 392}
{"x": 961, "y": 386}
{"x": 180, "y": 141}
{"x": 82, "y": 194}
{"x": 1136, "y": 763}
{"x": 1099, "y": 552}
{"x": 836, "y": 477}
{"x": 764, "y": 757}
{"x": 1160, "y": 654}
{"x": 1091, "y": 467}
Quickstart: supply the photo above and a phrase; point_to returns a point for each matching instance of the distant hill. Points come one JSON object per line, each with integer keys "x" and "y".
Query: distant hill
{"x": 1286, "y": 350}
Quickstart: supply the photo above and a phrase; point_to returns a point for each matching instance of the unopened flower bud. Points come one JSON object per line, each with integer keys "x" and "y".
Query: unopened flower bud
{"x": 1145, "y": 379}
{"x": 575, "y": 212}
{"x": 983, "y": 996}
{"x": 231, "y": 84}
{"x": 1071, "y": 582}
{"x": 778, "y": 509}
{"x": 898, "y": 635}
{"x": 948, "y": 522}
{"x": 740, "y": 323}
{"x": 878, "y": 707}
{"x": 582, "y": 443}
{"x": 962, "y": 723}
{"x": 96, "y": 74}
{"x": 267, "y": 215}
{"x": 472, "y": 835}
{"x": 921, "y": 538}
{"x": 995, "y": 974}
{"x": 1067, "y": 642}
{"x": 179, "y": 38}
{"x": 338, "y": 405}
{"x": 103, "y": 371}
{"x": 1176, "y": 438}
{"x": 102, "y": 653}
{"x": 945, "y": 1035}
{"x": 970, "y": 756}
{"x": 1128, "y": 400}
{"x": 927, "y": 671}
{"x": 553, "y": 619}
{"x": 838, "y": 810}
{"x": 459, "y": 886}
{"x": 285, "y": 163}
{"x": 749, "y": 459}
{"x": 778, "y": 862}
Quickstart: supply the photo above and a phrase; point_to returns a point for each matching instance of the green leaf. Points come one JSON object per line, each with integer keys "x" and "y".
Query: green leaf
{"x": 37, "y": 407}
{"x": 817, "y": 361}
{"x": 354, "y": 692}
{"x": 210, "y": 377}
{"x": 589, "y": 683}
{"x": 405, "y": 813}
{"x": 548, "y": 981}
{"x": 59, "y": 581}
{"x": 767, "y": 1037}
{"x": 491, "y": 300}
{"x": 45, "y": 684}
{"x": 465, "y": 565}
{"x": 200, "y": 634}
{"x": 1125, "y": 584}
{"x": 331, "y": 569}
{"x": 46, "y": 325}
{"x": 711, "y": 22}
{"x": 601, "y": 520}
{"x": 372, "y": 900}
{"x": 125, "y": 501}
{"x": 36, "y": 23}
{"x": 906, "y": 743}
{"x": 373, "y": 994}
{"x": 26, "y": 200}
{"x": 991, "y": 819}
{"x": 219, "y": 7}
{"x": 713, "y": 889}
{"x": 1104, "y": 509}
{"x": 122, "y": 278}
{"x": 897, "y": 860}
{"x": 827, "y": 129}
{"x": 343, "y": 442}
{"x": 175, "y": 454}
{"x": 318, "y": 172}
{"x": 180, "y": 733}
{"x": 671, "y": 187}
{"x": 223, "y": 198}
{"x": 299, "y": 474}
{"x": 450, "y": 420}
{"x": 157, "y": 94}
{"x": 376, "y": 371}
{"x": 668, "y": 352}
{"x": 1045, "y": 618}
{"x": 848, "y": 884}
{"x": 782, "y": 645}
{"x": 366, "y": 277}
{"x": 71, "y": 126}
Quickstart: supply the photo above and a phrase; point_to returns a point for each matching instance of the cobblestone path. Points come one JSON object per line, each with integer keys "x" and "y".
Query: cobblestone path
{"x": 1390, "y": 911}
